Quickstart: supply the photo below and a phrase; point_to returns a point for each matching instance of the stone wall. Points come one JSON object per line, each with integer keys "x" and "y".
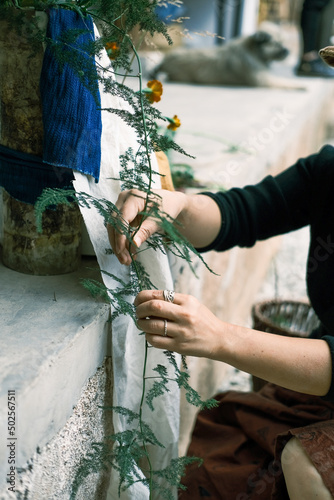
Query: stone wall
{"x": 67, "y": 467}
{"x": 55, "y": 346}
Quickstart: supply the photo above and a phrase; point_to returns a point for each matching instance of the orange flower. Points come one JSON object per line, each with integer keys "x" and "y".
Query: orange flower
{"x": 174, "y": 123}
{"x": 113, "y": 50}
{"x": 154, "y": 91}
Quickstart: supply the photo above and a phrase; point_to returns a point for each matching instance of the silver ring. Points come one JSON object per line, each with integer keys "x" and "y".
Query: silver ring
{"x": 165, "y": 328}
{"x": 169, "y": 295}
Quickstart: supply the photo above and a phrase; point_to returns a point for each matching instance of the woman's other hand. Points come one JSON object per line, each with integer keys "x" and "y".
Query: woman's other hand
{"x": 130, "y": 205}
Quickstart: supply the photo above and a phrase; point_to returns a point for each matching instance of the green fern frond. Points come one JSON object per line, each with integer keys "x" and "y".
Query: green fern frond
{"x": 118, "y": 297}
{"x": 130, "y": 415}
{"x": 144, "y": 280}
{"x": 176, "y": 469}
{"x": 182, "y": 380}
{"x": 49, "y": 199}
{"x": 177, "y": 243}
{"x": 158, "y": 389}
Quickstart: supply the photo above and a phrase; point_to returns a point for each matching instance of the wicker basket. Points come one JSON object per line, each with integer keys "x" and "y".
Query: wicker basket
{"x": 283, "y": 317}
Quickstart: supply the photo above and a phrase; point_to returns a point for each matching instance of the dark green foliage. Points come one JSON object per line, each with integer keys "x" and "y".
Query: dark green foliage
{"x": 176, "y": 470}
{"x": 117, "y": 19}
{"x": 15, "y": 18}
{"x": 95, "y": 461}
{"x": 119, "y": 296}
{"x": 122, "y": 16}
{"x": 130, "y": 447}
{"x": 124, "y": 452}
{"x": 159, "y": 387}
{"x": 158, "y": 142}
{"x": 140, "y": 109}
{"x": 143, "y": 278}
{"x": 50, "y": 198}
{"x": 106, "y": 209}
{"x": 181, "y": 378}
{"x": 164, "y": 143}
{"x": 137, "y": 177}
{"x": 176, "y": 242}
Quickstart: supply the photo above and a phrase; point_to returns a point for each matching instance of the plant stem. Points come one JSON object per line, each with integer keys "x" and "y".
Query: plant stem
{"x": 143, "y": 389}
{"x": 146, "y": 135}
{"x": 133, "y": 261}
{"x": 141, "y": 39}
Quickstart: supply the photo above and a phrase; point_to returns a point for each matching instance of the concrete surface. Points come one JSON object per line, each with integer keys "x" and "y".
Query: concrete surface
{"x": 53, "y": 337}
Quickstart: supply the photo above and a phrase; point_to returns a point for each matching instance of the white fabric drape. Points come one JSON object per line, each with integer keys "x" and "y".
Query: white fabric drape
{"x": 127, "y": 345}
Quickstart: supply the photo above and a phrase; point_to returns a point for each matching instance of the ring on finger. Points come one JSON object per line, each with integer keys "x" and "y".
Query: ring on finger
{"x": 169, "y": 295}
{"x": 165, "y": 328}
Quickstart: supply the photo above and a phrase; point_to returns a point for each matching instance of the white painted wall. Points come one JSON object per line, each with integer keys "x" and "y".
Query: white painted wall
{"x": 203, "y": 18}
{"x": 250, "y": 16}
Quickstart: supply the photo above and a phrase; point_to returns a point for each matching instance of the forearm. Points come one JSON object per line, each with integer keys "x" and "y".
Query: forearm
{"x": 299, "y": 364}
{"x": 200, "y": 220}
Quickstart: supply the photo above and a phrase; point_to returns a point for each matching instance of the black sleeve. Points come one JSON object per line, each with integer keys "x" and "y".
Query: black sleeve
{"x": 330, "y": 341}
{"x": 275, "y": 206}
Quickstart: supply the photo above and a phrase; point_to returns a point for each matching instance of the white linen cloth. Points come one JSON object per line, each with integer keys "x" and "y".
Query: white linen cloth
{"x": 128, "y": 346}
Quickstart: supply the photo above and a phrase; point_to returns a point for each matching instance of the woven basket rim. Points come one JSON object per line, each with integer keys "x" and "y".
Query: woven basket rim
{"x": 283, "y": 301}
{"x": 258, "y": 315}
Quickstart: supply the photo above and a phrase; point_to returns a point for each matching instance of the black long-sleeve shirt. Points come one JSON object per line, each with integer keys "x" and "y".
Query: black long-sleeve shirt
{"x": 301, "y": 195}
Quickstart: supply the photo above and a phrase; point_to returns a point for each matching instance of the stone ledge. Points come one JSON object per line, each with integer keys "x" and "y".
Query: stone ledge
{"x": 238, "y": 135}
{"x": 54, "y": 336}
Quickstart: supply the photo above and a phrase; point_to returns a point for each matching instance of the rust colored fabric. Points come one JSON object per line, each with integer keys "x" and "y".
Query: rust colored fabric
{"x": 241, "y": 441}
{"x": 164, "y": 171}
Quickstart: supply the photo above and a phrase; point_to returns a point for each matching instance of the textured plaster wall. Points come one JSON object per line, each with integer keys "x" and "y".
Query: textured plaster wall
{"x": 61, "y": 470}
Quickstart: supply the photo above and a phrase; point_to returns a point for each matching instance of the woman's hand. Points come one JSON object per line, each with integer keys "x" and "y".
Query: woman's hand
{"x": 130, "y": 205}
{"x": 300, "y": 364}
{"x": 191, "y": 328}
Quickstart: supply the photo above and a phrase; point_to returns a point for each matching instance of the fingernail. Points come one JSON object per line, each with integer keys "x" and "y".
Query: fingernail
{"x": 122, "y": 257}
{"x": 126, "y": 258}
{"x": 136, "y": 242}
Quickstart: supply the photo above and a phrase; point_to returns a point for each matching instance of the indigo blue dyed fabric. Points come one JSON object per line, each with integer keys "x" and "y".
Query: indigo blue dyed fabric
{"x": 24, "y": 176}
{"x": 71, "y": 109}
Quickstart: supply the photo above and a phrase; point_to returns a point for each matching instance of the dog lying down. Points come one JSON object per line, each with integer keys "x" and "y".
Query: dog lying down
{"x": 243, "y": 61}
